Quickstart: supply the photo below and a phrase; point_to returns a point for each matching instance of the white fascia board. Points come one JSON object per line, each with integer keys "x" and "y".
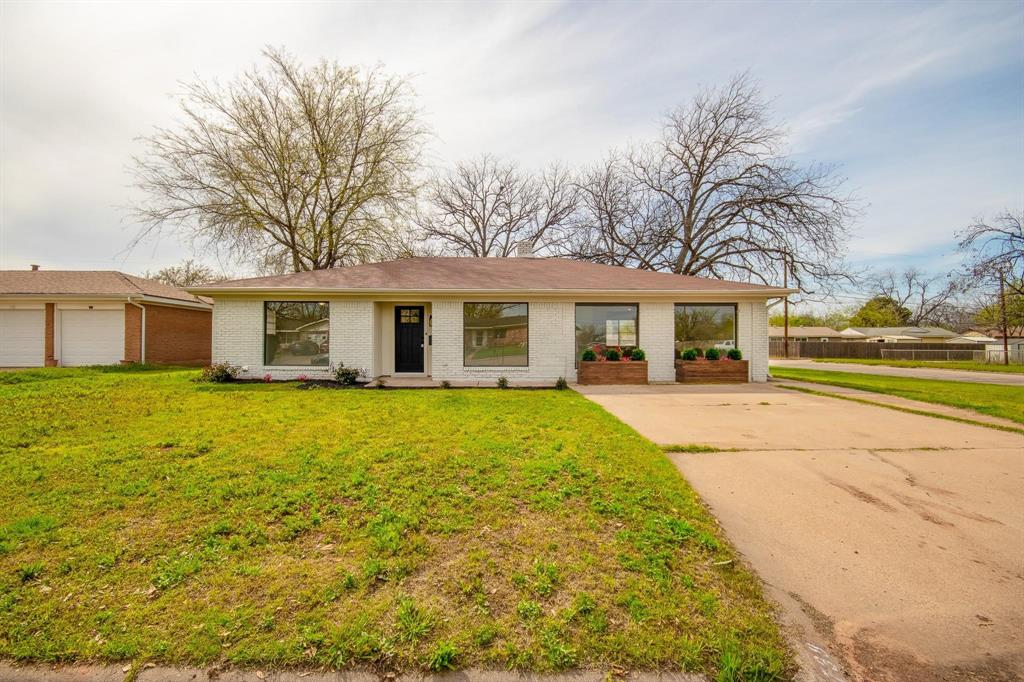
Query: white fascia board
{"x": 410, "y": 294}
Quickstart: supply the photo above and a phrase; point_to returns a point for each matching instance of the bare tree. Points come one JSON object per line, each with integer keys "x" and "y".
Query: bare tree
{"x": 720, "y": 199}
{"x": 931, "y": 299}
{"x": 188, "y": 273}
{"x": 996, "y": 249}
{"x": 616, "y": 221}
{"x": 486, "y": 206}
{"x": 312, "y": 167}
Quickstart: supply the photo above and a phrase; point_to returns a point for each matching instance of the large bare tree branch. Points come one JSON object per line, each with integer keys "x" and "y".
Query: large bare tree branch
{"x": 715, "y": 196}
{"x": 486, "y": 207}
{"x": 287, "y": 167}
{"x": 996, "y": 249}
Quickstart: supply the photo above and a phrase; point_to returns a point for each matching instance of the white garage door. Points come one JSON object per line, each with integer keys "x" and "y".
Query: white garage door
{"x": 91, "y": 337}
{"x": 21, "y": 338}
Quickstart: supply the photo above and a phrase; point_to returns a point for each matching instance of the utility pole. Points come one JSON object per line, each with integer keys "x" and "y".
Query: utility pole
{"x": 785, "y": 308}
{"x": 1002, "y": 317}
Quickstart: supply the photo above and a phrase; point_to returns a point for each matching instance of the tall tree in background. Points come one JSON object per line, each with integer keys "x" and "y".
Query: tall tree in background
{"x": 189, "y": 273}
{"x": 719, "y": 198}
{"x": 995, "y": 249}
{"x": 929, "y": 299}
{"x": 881, "y": 311}
{"x": 287, "y": 166}
{"x": 486, "y": 207}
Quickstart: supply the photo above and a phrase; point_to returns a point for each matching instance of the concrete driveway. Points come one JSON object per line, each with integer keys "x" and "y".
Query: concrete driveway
{"x": 893, "y": 542}
{"x": 912, "y": 372}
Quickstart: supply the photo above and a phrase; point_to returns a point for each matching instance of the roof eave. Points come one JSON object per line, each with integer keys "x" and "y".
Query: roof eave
{"x": 767, "y": 292}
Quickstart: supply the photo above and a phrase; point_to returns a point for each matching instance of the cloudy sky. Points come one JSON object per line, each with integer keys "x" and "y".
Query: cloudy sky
{"x": 921, "y": 105}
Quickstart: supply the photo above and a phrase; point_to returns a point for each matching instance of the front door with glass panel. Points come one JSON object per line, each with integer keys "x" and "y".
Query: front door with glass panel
{"x": 408, "y": 338}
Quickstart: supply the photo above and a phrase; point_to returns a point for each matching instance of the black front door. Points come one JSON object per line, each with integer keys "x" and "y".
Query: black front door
{"x": 408, "y": 338}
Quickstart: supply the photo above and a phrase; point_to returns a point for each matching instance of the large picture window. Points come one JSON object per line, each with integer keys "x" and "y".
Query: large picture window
{"x": 296, "y": 333}
{"x": 495, "y": 334}
{"x": 600, "y": 325}
{"x": 705, "y": 326}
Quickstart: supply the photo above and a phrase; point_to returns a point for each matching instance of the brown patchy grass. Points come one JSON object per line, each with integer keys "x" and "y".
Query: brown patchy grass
{"x": 147, "y": 518}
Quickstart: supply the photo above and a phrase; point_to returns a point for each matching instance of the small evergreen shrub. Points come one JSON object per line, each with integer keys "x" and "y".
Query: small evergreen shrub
{"x": 219, "y": 373}
{"x": 638, "y": 354}
{"x": 347, "y": 376}
{"x": 561, "y": 384}
{"x": 689, "y": 355}
{"x": 446, "y": 384}
{"x": 589, "y": 355}
{"x": 734, "y": 354}
{"x": 699, "y": 352}
{"x": 502, "y": 382}
{"x": 612, "y": 355}
{"x": 712, "y": 354}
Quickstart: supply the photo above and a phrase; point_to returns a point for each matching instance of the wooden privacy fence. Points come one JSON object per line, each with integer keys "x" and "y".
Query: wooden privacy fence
{"x": 888, "y": 351}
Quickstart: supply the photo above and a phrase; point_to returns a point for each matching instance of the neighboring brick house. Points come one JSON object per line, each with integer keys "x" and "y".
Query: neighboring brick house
{"x": 473, "y": 319}
{"x": 71, "y": 318}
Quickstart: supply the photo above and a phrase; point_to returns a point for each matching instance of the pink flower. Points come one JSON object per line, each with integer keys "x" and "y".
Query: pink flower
{"x": 303, "y": 377}
{"x": 267, "y": 378}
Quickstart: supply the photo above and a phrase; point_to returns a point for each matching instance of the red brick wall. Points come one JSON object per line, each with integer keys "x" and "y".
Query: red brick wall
{"x": 180, "y": 336}
{"x": 48, "y": 359}
{"x": 132, "y": 333}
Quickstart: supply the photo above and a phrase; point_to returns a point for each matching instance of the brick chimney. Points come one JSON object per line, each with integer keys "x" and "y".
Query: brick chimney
{"x": 34, "y": 267}
{"x": 524, "y": 249}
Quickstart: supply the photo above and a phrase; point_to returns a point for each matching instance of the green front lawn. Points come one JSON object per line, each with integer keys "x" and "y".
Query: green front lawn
{"x": 991, "y": 399}
{"x": 934, "y": 364}
{"x": 147, "y": 518}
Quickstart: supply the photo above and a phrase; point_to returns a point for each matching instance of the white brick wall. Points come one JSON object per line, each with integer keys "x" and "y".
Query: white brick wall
{"x": 238, "y": 337}
{"x": 759, "y": 345}
{"x": 552, "y": 344}
{"x": 356, "y": 339}
{"x": 657, "y": 338}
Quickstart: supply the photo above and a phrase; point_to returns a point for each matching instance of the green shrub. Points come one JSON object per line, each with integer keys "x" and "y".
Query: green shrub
{"x": 589, "y": 355}
{"x": 347, "y": 376}
{"x": 734, "y": 354}
{"x": 502, "y": 382}
{"x": 638, "y": 354}
{"x": 699, "y": 352}
{"x": 561, "y": 384}
{"x": 446, "y": 384}
{"x": 712, "y": 354}
{"x": 612, "y": 355}
{"x": 219, "y": 373}
{"x": 689, "y": 355}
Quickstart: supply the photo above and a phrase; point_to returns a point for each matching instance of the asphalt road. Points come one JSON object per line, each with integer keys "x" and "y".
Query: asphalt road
{"x": 912, "y": 372}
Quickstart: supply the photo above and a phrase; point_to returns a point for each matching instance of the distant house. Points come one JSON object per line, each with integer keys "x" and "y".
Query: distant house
{"x": 1014, "y": 336}
{"x": 804, "y": 334}
{"x": 61, "y": 317}
{"x": 972, "y": 337}
{"x": 898, "y": 334}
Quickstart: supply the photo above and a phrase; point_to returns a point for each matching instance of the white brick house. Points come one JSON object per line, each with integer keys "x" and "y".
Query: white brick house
{"x": 477, "y": 319}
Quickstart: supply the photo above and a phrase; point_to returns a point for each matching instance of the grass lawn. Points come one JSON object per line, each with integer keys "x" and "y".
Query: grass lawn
{"x": 935, "y": 364}
{"x": 144, "y": 517}
{"x": 992, "y": 399}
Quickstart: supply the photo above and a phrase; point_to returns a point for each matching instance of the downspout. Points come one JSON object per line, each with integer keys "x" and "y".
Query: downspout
{"x": 142, "y": 345}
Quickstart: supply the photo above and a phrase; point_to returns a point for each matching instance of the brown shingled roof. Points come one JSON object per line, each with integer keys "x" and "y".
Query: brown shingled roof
{"x": 486, "y": 274}
{"x": 86, "y": 283}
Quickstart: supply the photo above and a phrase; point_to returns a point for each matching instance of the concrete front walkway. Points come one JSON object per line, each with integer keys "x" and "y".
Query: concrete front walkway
{"x": 893, "y": 541}
{"x": 911, "y": 372}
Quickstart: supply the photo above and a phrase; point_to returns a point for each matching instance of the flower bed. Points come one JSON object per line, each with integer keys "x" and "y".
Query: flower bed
{"x": 703, "y": 371}
{"x": 593, "y": 372}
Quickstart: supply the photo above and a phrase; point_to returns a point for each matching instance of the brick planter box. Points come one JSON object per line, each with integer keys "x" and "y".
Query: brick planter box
{"x": 712, "y": 371}
{"x": 632, "y": 372}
